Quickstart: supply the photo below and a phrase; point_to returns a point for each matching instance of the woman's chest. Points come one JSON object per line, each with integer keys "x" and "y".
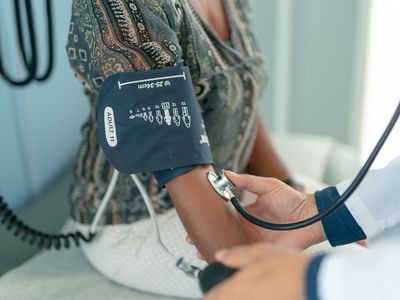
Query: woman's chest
{"x": 213, "y": 13}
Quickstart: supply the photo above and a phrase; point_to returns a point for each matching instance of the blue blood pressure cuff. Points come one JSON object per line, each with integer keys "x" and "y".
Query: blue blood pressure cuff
{"x": 150, "y": 121}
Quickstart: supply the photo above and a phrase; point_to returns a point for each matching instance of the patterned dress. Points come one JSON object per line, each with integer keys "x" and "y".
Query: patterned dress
{"x": 107, "y": 37}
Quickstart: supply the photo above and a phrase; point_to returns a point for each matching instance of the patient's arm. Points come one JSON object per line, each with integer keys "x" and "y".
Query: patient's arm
{"x": 209, "y": 220}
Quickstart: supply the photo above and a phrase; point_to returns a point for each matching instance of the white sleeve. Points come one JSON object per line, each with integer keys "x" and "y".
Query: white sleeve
{"x": 366, "y": 275}
{"x": 375, "y": 204}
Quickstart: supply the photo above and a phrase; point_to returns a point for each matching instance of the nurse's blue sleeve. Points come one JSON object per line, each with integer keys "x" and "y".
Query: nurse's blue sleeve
{"x": 340, "y": 227}
{"x": 312, "y": 277}
{"x": 330, "y": 277}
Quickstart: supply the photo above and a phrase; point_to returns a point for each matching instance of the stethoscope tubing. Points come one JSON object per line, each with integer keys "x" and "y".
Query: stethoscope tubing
{"x": 334, "y": 206}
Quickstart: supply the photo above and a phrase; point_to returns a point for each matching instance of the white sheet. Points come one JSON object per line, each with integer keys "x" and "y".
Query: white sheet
{"x": 67, "y": 275}
{"x": 63, "y": 275}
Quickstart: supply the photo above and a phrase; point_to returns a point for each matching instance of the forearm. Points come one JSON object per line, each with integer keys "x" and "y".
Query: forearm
{"x": 264, "y": 160}
{"x": 209, "y": 220}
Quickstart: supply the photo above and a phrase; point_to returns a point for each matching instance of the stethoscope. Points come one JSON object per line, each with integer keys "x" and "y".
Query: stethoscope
{"x": 225, "y": 188}
{"x": 216, "y": 273}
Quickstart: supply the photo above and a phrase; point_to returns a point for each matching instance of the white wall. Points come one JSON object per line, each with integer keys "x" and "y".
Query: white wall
{"x": 382, "y": 88}
{"x": 39, "y": 124}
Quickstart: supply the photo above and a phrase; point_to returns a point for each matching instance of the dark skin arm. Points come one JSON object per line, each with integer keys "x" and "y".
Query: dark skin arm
{"x": 264, "y": 160}
{"x": 211, "y": 223}
{"x": 208, "y": 219}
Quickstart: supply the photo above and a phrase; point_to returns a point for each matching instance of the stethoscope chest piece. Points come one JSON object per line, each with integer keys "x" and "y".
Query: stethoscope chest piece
{"x": 222, "y": 185}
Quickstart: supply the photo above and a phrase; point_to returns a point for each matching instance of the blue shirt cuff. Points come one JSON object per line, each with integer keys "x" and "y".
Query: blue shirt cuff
{"x": 340, "y": 227}
{"x": 311, "y": 278}
{"x": 165, "y": 176}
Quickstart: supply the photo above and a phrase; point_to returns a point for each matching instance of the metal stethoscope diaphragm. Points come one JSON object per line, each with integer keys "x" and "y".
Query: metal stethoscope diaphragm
{"x": 222, "y": 185}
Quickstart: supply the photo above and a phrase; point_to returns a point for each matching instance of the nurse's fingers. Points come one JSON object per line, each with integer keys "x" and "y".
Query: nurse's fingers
{"x": 240, "y": 256}
{"x": 253, "y": 184}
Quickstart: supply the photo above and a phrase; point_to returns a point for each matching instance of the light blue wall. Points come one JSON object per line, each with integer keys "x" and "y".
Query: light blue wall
{"x": 324, "y": 65}
{"x": 323, "y": 57}
{"x": 39, "y": 124}
{"x": 265, "y": 27}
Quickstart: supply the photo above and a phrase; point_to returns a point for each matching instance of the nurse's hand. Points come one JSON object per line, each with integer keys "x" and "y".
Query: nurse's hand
{"x": 264, "y": 272}
{"x": 278, "y": 203}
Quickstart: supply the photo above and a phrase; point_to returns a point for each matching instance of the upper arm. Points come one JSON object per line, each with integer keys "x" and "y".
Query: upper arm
{"x": 108, "y": 37}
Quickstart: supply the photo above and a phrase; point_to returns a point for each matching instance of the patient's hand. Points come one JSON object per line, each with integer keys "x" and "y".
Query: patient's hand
{"x": 278, "y": 203}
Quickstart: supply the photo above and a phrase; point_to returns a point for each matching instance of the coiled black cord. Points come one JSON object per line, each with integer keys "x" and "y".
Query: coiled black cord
{"x": 50, "y": 44}
{"x": 38, "y": 238}
{"x": 347, "y": 193}
{"x": 30, "y": 60}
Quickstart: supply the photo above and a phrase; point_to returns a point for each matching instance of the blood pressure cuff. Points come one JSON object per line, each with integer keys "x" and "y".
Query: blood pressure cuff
{"x": 150, "y": 121}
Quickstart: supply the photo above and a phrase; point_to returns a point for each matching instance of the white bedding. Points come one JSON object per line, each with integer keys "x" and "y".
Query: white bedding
{"x": 65, "y": 275}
